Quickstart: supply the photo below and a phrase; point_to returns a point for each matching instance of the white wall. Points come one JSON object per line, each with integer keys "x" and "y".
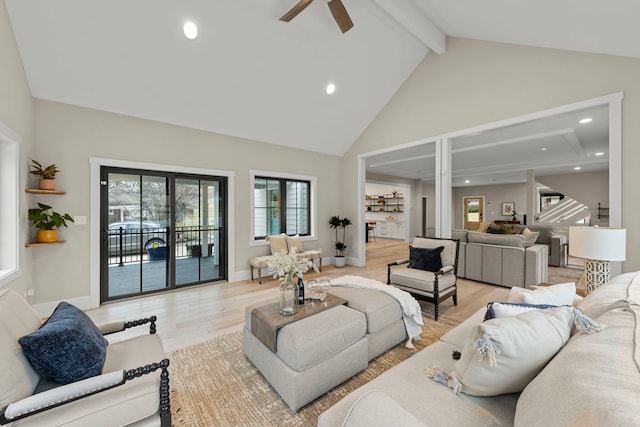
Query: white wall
{"x": 477, "y": 82}
{"x": 494, "y": 196}
{"x": 589, "y": 188}
{"x": 16, "y": 112}
{"x": 70, "y": 135}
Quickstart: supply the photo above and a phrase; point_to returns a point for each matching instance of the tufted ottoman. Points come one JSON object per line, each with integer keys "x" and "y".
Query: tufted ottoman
{"x": 313, "y": 355}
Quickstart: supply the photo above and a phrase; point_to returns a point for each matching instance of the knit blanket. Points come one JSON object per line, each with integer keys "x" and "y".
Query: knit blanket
{"x": 411, "y": 310}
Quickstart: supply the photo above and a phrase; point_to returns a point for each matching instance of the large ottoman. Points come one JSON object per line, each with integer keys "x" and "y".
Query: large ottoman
{"x": 313, "y": 355}
{"x": 385, "y": 327}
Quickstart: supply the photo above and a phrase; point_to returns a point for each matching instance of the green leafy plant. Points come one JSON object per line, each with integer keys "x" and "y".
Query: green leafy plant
{"x": 44, "y": 218}
{"x": 337, "y": 223}
{"x": 45, "y": 173}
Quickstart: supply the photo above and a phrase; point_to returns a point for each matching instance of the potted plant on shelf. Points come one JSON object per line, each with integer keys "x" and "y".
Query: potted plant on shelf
{"x": 337, "y": 223}
{"x": 46, "y": 221}
{"x": 47, "y": 175}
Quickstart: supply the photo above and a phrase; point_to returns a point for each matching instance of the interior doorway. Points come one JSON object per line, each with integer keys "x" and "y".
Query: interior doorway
{"x": 473, "y": 212}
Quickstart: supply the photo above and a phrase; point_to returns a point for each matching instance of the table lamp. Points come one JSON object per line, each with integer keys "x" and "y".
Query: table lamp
{"x": 598, "y": 246}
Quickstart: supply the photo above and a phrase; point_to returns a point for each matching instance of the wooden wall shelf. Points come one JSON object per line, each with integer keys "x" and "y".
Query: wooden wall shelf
{"x": 38, "y": 191}
{"x": 33, "y": 244}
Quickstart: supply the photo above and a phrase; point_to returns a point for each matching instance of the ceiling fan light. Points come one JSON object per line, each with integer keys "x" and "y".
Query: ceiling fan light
{"x": 190, "y": 30}
{"x": 330, "y": 89}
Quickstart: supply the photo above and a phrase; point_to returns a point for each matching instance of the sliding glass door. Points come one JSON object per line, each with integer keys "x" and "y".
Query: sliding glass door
{"x": 160, "y": 231}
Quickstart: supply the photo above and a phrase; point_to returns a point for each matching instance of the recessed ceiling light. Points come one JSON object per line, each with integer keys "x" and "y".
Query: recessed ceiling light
{"x": 190, "y": 30}
{"x": 577, "y": 168}
{"x": 544, "y": 149}
{"x": 600, "y": 153}
{"x": 331, "y": 88}
{"x": 585, "y": 120}
{"x": 466, "y": 181}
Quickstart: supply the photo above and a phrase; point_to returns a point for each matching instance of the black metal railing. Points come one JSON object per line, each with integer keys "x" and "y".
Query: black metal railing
{"x": 126, "y": 245}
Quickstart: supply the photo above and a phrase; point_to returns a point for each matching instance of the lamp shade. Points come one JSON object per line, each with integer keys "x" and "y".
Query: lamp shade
{"x": 596, "y": 243}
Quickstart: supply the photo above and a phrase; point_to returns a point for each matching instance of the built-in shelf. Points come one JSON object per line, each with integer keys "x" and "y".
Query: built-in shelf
{"x": 32, "y": 244}
{"x": 384, "y": 203}
{"x": 38, "y": 191}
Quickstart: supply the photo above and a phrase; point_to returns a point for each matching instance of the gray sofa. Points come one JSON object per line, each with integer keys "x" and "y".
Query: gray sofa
{"x": 505, "y": 260}
{"x": 500, "y": 259}
{"x": 593, "y": 380}
{"x": 549, "y": 236}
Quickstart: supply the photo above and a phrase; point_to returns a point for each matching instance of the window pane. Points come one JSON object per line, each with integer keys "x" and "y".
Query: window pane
{"x": 297, "y": 207}
{"x": 267, "y": 205}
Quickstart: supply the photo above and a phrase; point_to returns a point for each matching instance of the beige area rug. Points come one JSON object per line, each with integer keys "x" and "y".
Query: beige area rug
{"x": 213, "y": 383}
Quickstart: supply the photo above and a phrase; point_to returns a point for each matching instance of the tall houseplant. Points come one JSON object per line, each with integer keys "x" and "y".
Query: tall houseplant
{"x": 47, "y": 175}
{"x": 46, "y": 220}
{"x": 337, "y": 223}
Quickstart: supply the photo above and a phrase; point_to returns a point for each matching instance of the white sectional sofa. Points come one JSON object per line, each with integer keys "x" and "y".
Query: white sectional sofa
{"x": 593, "y": 380}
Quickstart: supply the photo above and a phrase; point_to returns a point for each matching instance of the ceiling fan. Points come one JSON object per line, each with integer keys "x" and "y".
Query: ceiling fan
{"x": 335, "y": 6}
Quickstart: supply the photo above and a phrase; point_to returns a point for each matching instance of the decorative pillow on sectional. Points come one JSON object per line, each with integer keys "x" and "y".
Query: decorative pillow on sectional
{"x": 483, "y": 227}
{"x": 530, "y": 237}
{"x": 502, "y": 309}
{"x": 503, "y": 355}
{"x": 561, "y": 294}
{"x": 425, "y": 258}
{"x": 278, "y": 243}
{"x": 294, "y": 242}
{"x": 500, "y": 229}
{"x": 68, "y": 347}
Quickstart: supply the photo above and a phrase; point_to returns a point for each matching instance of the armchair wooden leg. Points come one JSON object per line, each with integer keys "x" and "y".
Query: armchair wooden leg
{"x": 252, "y": 273}
{"x": 165, "y": 404}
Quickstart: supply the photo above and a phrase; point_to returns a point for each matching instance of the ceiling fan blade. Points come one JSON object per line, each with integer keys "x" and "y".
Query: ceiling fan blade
{"x": 295, "y": 10}
{"x": 340, "y": 15}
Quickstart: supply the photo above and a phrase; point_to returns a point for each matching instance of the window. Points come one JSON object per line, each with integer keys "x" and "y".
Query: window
{"x": 282, "y": 204}
{"x": 9, "y": 225}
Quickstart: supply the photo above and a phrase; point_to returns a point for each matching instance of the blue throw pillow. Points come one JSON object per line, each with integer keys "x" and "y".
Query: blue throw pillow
{"x": 68, "y": 347}
{"x": 425, "y": 258}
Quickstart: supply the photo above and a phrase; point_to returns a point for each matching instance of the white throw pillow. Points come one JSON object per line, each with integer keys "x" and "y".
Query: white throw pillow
{"x": 561, "y": 294}
{"x": 278, "y": 243}
{"x": 530, "y": 237}
{"x": 503, "y": 355}
{"x": 295, "y": 242}
{"x": 503, "y": 309}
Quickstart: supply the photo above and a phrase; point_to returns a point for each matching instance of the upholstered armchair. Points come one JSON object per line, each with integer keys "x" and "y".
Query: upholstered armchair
{"x": 430, "y": 274}
{"x": 124, "y": 382}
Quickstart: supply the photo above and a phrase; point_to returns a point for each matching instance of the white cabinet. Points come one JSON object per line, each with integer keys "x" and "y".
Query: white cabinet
{"x": 390, "y": 229}
{"x": 383, "y": 229}
{"x": 397, "y": 229}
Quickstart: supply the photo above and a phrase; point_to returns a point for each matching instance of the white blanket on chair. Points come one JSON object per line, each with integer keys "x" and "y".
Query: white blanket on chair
{"x": 411, "y": 310}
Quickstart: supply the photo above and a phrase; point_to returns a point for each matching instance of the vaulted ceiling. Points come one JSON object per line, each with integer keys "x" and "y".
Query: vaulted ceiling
{"x": 247, "y": 74}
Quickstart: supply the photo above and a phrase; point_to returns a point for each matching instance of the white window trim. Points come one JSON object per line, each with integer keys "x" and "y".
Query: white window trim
{"x": 313, "y": 180}
{"x": 9, "y": 215}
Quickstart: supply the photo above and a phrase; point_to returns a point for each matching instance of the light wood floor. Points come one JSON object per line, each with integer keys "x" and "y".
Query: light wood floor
{"x": 198, "y": 314}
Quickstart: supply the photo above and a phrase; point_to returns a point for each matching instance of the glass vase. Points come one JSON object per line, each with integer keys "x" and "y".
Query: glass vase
{"x": 288, "y": 297}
